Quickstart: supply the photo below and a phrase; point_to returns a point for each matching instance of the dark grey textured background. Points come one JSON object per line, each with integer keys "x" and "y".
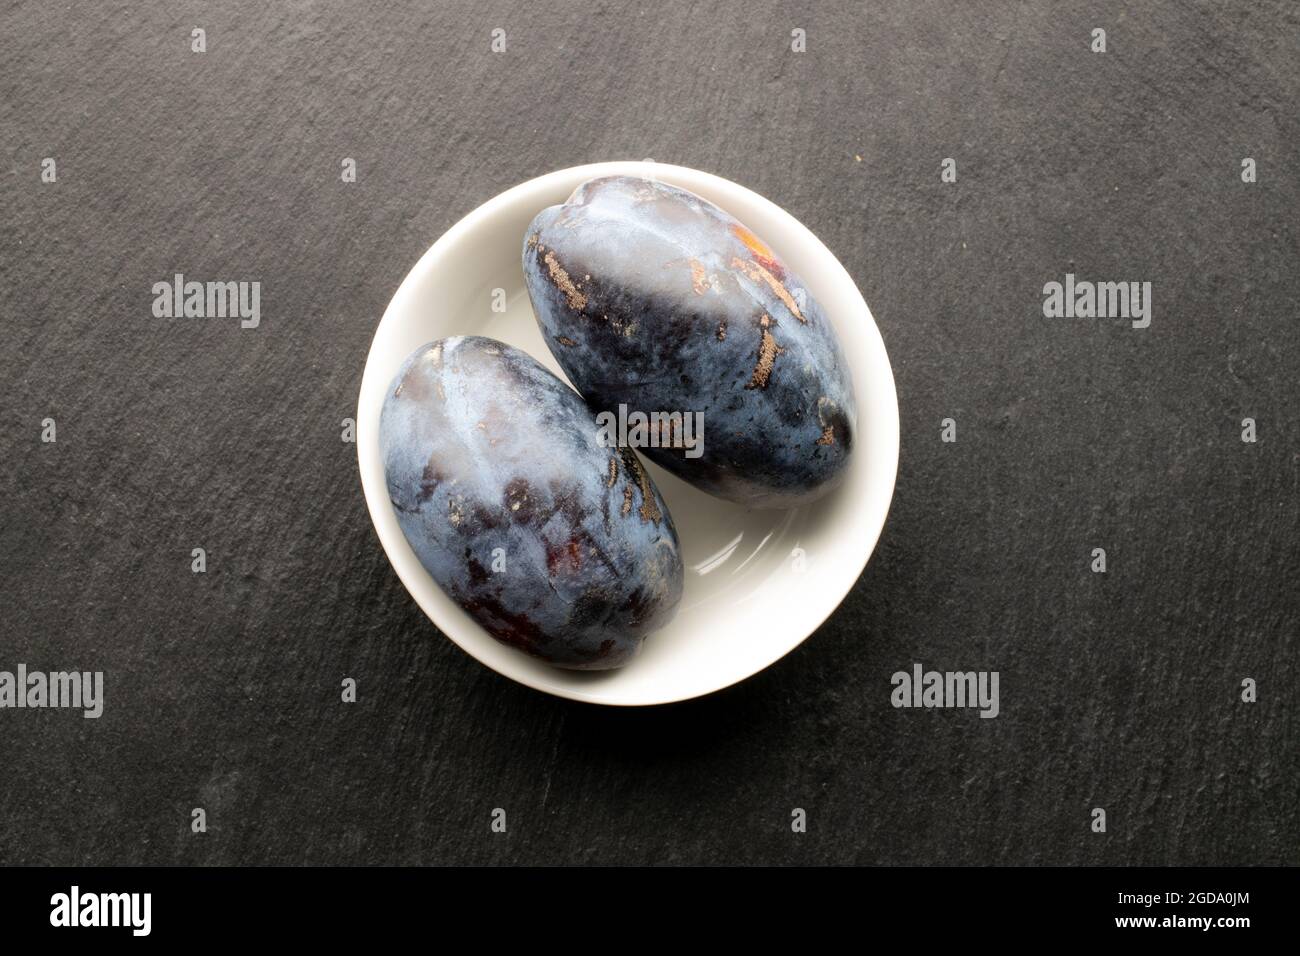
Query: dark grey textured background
{"x": 1118, "y": 690}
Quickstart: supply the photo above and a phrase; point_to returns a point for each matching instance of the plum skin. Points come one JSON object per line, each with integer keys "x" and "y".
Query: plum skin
{"x": 484, "y": 449}
{"x": 655, "y": 298}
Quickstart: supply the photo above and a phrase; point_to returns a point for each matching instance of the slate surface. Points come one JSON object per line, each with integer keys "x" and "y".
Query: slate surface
{"x": 1118, "y": 691}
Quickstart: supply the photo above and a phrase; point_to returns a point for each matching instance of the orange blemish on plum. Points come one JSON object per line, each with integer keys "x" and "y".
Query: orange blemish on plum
{"x": 577, "y": 301}
{"x": 768, "y": 350}
{"x": 759, "y": 250}
{"x": 699, "y": 277}
{"x": 758, "y": 273}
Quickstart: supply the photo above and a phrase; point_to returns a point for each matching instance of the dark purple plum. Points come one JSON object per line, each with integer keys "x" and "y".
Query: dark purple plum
{"x": 655, "y": 299}
{"x": 556, "y": 545}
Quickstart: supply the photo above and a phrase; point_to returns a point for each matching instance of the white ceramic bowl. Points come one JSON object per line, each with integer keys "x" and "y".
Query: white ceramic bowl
{"x": 757, "y": 582}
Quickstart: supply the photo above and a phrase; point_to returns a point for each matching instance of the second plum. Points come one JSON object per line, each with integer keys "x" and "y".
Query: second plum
{"x": 653, "y": 298}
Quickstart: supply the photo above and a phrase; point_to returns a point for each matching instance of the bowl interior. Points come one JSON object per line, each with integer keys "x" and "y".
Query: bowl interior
{"x": 757, "y": 582}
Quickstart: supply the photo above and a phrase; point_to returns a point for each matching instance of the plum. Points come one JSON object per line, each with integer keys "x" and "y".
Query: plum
{"x": 653, "y": 298}
{"x": 556, "y": 545}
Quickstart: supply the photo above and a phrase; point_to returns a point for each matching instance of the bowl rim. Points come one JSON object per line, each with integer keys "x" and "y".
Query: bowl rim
{"x": 374, "y": 488}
